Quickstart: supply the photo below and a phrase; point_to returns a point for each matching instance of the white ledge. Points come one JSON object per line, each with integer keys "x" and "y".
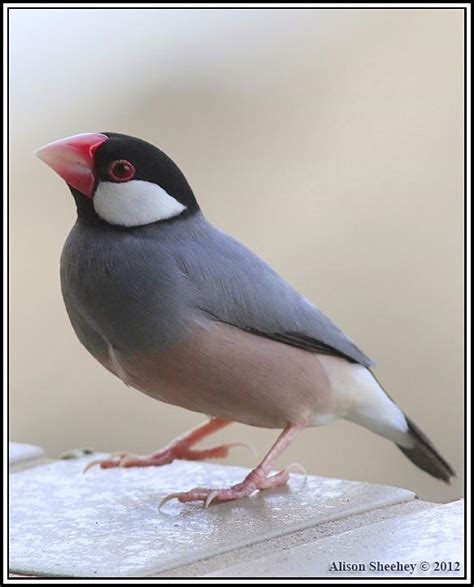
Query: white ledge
{"x": 107, "y": 523}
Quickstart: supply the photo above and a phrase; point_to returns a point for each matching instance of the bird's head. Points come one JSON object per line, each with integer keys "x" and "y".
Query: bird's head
{"x": 119, "y": 179}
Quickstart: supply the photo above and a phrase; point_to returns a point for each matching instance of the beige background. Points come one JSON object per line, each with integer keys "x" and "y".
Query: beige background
{"x": 329, "y": 141}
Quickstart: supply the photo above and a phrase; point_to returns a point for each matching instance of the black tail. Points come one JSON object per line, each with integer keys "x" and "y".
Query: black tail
{"x": 425, "y": 455}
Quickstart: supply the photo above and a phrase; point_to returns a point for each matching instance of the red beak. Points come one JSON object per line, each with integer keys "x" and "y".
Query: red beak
{"x": 73, "y": 159}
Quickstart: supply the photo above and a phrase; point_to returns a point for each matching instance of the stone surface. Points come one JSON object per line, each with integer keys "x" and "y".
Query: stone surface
{"x": 20, "y": 453}
{"x": 107, "y": 523}
{"x": 249, "y": 554}
{"x": 414, "y": 545}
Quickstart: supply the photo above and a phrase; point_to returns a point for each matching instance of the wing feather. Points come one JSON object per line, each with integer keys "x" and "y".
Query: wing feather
{"x": 233, "y": 285}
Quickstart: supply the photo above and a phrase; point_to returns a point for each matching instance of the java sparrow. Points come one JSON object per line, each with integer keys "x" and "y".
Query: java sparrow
{"x": 188, "y": 315}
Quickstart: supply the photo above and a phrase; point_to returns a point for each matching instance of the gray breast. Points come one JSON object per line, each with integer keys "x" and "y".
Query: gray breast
{"x": 120, "y": 287}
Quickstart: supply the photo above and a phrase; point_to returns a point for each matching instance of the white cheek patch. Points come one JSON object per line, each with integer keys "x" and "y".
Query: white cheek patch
{"x": 134, "y": 203}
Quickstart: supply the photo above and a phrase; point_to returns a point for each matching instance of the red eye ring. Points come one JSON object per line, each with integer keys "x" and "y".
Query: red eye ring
{"x": 121, "y": 170}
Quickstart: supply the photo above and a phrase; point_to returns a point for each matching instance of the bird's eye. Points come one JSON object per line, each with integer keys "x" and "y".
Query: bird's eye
{"x": 121, "y": 170}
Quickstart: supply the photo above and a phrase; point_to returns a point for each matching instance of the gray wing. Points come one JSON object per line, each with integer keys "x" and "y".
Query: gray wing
{"x": 234, "y": 286}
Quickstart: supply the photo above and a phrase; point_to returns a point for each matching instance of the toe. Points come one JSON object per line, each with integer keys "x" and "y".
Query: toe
{"x": 103, "y": 464}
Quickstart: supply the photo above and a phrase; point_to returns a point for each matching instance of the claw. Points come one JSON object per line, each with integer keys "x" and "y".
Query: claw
{"x": 210, "y": 498}
{"x": 167, "y": 499}
{"x": 178, "y": 495}
{"x": 122, "y": 458}
{"x": 303, "y": 471}
{"x": 297, "y": 466}
{"x": 244, "y": 445}
{"x": 90, "y": 465}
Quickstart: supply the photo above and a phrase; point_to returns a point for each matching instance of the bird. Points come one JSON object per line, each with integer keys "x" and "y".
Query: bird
{"x": 185, "y": 313}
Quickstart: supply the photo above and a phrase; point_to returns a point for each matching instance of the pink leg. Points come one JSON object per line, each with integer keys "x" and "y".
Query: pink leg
{"x": 178, "y": 449}
{"x": 256, "y": 480}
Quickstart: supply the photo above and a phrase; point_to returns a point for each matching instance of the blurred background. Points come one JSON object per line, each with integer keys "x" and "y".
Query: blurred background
{"x": 329, "y": 141}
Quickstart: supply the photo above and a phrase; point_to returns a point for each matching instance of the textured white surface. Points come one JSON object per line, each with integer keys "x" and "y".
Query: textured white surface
{"x": 18, "y": 452}
{"x": 414, "y": 544}
{"x": 107, "y": 523}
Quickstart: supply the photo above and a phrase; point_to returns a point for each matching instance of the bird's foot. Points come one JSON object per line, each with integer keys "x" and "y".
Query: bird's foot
{"x": 257, "y": 480}
{"x": 164, "y": 457}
